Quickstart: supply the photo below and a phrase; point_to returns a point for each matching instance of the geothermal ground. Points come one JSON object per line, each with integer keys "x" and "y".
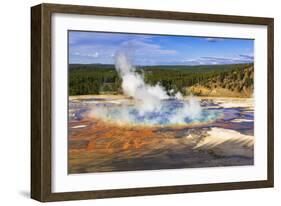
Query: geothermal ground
{"x": 97, "y": 144}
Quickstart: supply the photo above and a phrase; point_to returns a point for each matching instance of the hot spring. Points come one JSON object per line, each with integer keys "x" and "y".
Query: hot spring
{"x": 168, "y": 112}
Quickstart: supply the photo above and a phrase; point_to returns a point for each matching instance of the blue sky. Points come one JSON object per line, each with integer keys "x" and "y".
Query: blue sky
{"x": 100, "y": 47}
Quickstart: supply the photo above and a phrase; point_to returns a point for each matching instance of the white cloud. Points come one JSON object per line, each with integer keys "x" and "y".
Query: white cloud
{"x": 219, "y": 60}
{"x": 94, "y": 54}
{"x": 141, "y": 47}
{"x": 210, "y": 39}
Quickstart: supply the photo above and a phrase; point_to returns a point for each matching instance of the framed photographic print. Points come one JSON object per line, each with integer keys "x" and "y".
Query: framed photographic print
{"x": 132, "y": 102}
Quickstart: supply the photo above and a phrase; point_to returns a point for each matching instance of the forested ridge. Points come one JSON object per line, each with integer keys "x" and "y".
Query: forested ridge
{"x": 103, "y": 79}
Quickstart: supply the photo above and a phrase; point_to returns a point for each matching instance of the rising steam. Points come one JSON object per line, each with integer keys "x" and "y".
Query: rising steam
{"x": 148, "y": 97}
{"x": 151, "y": 103}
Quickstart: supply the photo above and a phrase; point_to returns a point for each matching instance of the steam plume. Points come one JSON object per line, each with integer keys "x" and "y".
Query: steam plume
{"x": 149, "y": 101}
{"x": 133, "y": 85}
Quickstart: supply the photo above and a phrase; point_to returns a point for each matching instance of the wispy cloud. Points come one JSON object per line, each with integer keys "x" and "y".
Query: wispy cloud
{"x": 219, "y": 60}
{"x": 142, "y": 47}
{"x": 94, "y": 54}
{"x": 209, "y": 39}
{"x": 247, "y": 57}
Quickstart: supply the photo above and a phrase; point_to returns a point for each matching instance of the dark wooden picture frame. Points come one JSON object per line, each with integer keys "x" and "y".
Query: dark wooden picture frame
{"x": 41, "y": 173}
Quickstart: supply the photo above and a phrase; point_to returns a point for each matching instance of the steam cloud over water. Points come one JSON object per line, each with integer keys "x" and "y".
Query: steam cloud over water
{"x": 151, "y": 105}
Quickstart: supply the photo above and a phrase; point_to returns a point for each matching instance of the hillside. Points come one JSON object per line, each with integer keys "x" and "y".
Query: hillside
{"x": 237, "y": 83}
{"x": 206, "y": 80}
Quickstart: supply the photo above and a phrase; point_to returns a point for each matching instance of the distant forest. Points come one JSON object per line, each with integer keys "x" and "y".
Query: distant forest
{"x": 103, "y": 79}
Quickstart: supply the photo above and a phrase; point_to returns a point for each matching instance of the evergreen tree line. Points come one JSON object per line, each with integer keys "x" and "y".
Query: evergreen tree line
{"x": 103, "y": 79}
